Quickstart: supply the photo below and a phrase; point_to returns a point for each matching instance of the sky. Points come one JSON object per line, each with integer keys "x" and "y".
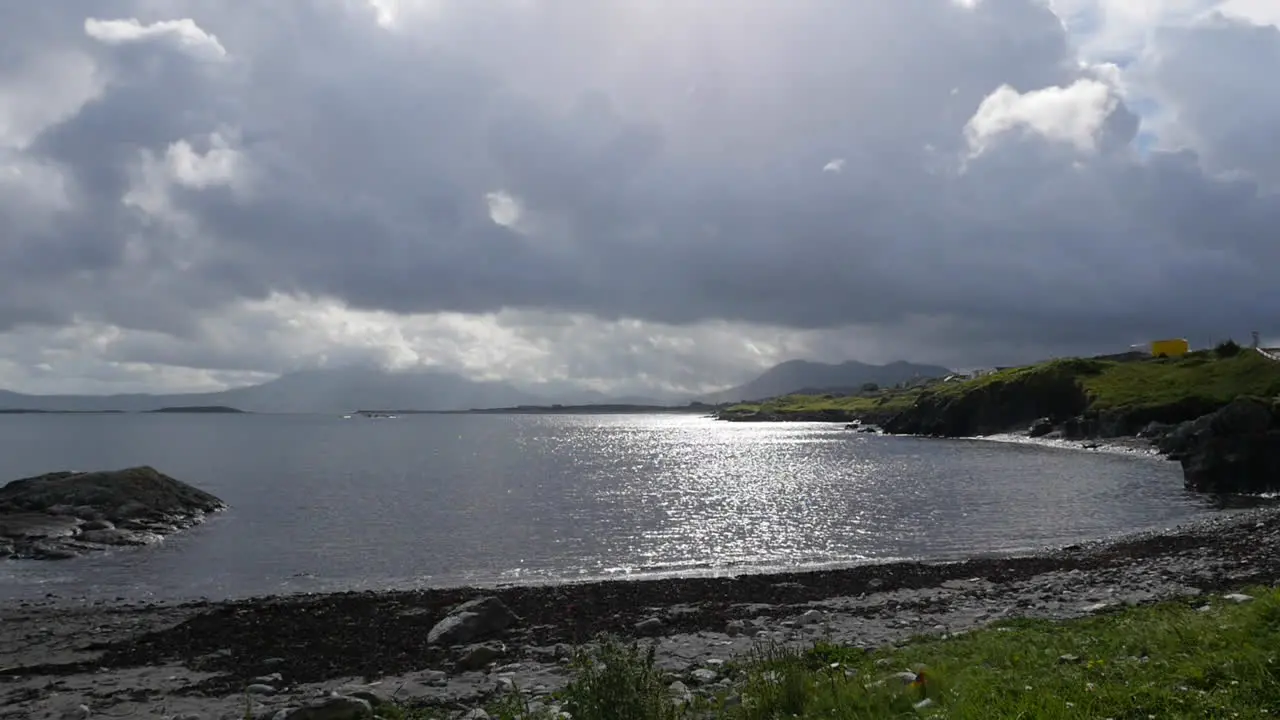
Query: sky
{"x": 627, "y": 195}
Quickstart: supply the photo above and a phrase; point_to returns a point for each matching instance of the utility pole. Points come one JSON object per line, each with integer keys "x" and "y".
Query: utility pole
{"x": 1255, "y": 340}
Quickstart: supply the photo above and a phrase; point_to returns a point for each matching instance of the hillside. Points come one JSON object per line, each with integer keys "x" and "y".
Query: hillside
{"x": 1090, "y": 397}
{"x": 797, "y": 376}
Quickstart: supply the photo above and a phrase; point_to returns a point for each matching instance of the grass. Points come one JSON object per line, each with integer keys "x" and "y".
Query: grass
{"x": 1199, "y": 379}
{"x": 883, "y": 401}
{"x": 1172, "y": 660}
{"x": 1170, "y": 381}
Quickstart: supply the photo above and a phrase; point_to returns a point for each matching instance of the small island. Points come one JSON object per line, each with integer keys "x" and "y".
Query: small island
{"x": 198, "y": 409}
{"x": 62, "y": 515}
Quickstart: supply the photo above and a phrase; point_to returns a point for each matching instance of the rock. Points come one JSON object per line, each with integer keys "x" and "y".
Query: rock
{"x": 33, "y": 526}
{"x": 1234, "y": 450}
{"x": 809, "y": 617}
{"x": 476, "y": 657}
{"x": 472, "y": 620}
{"x": 338, "y": 707}
{"x": 80, "y": 712}
{"x": 734, "y": 628}
{"x": 680, "y": 693}
{"x": 649, "y": 626}
{"x": 477, "y": 714}
{"x": 1040, "y": 428}
{"x": 1238, "y": 598}
{"x": 1155, "y": 430}
{"x": 50, "y": 551}
{"x": 704, "y": 676}
{"x": 260, "y": 689}
{"x": 376, "y": 698}
{"x": 124, "y": 493}
{"x": 1068, "y": 658}
{"x": 116, "y": 536}
{"x": 60, "y": 515}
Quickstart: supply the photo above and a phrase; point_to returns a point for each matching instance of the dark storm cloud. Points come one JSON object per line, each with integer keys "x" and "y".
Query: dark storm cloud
{"x": 667, "y": 163}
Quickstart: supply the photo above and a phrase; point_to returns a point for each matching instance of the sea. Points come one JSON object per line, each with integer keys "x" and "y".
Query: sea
{"x": 322, "y": 503}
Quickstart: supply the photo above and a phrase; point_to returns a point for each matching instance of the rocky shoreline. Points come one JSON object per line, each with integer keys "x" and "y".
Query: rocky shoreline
{"x": 1231, "y": 448}
{"x": 272, "y": 655}
{"x": 63, "y": 515}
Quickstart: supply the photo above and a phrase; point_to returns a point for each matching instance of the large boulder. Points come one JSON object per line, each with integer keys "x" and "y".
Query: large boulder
{"x": 1040, "y": 428}
{"x": 472, "y": 620}
{"x": 1233, "y": 450}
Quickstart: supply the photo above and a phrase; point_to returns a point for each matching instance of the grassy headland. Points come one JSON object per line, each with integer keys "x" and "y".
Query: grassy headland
{"x": 1109, "y": 397}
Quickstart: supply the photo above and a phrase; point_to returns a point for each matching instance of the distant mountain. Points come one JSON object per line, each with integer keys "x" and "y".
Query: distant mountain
{"x": 318, "y": 391}
{"x": 797, "y": 375}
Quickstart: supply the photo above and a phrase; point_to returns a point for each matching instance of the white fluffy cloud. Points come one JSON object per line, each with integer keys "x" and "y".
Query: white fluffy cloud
{"x": 183, "y": 34}
{"x": 1074, "y": 115}
{"x": 627, "y": 194}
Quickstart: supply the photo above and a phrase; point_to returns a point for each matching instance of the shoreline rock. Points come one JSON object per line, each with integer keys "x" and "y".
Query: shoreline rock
{"x": 63, "y": 515}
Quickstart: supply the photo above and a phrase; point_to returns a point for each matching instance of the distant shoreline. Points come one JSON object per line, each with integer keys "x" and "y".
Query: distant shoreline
{"x": 198, "y": 409}
{"x": 603, "y": 409}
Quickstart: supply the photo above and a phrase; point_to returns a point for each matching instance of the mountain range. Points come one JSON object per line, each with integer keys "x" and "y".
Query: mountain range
{"x": 338, "y": 390}
{"x": 347, "y": 389}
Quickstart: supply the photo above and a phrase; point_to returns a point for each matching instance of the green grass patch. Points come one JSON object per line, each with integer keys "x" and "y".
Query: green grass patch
{"x": 1199, "y": 380}
{"x": 1171, "y": 660}
{"x": 1153, "y": 383}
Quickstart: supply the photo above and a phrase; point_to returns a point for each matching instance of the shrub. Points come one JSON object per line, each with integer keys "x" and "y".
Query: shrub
{"x": 618, "y": 682}
{"x": 1227, "y": 348}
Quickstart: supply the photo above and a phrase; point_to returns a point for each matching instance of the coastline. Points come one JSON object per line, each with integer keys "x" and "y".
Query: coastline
{"x": 163, "y": 659}
{"x": 1125, "y": 445}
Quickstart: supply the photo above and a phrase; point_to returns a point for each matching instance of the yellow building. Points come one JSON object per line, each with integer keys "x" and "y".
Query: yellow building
{"x": 1170, "y": 348}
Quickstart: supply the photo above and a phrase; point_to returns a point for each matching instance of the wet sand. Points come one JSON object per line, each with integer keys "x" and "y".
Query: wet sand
{"x": 162, "y": 660}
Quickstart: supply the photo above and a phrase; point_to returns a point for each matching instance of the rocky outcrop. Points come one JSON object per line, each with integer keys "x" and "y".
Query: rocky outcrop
{"x": 1050, "y": 394}
{"x": 1233, "y": 450}
{"x": 65, "y": 514}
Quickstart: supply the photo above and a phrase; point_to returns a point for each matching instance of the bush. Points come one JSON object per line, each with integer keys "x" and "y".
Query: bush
{"x": 618, "y": 682}
{"x": 1227, "y": 348}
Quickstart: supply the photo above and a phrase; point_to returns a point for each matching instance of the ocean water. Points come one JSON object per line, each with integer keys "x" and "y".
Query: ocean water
{"x": 321, "y": 503}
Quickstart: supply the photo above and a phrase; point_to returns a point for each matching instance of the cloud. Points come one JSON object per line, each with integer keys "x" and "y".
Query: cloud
{"x": 630, "y": 193}
{"x": 183, "y": 34}
{"x": 1074, "y": 115}
{"x": 1199, "y": 72}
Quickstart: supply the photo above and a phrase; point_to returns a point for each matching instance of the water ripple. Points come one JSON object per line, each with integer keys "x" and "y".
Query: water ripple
{"x": 319, "y": 503}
